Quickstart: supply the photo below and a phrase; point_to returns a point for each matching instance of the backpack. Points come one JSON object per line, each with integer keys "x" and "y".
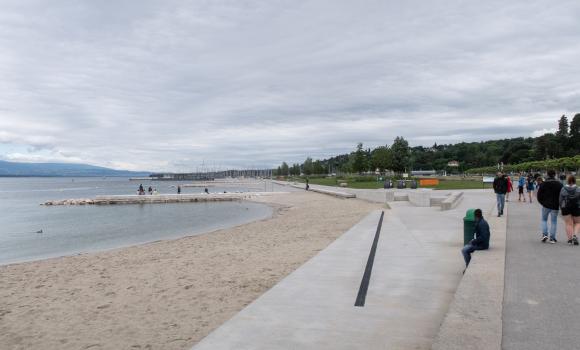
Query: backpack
{"x": 571, "y": 200}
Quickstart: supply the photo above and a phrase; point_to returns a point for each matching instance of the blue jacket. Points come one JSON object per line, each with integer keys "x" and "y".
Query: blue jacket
{"x": 482, "y": 234}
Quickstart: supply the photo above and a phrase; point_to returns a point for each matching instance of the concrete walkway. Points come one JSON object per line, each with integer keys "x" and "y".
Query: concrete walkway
{"x": 542, "y": 285}
{"x": 416, "y": 271}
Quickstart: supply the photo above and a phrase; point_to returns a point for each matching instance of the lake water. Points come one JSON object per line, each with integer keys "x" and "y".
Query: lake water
{"x": 70, "y": 230}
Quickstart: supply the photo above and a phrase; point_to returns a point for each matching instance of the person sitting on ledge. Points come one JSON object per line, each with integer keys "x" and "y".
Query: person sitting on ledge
{"x": 481, "y": 240}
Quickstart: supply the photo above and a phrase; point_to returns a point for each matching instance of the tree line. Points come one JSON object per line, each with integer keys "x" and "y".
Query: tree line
{"x": 400, "y": 157}
{"x": 559, "y": 164}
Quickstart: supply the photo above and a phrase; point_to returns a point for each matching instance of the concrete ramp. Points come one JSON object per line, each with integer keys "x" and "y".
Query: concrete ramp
{"x": 310, "y": 307}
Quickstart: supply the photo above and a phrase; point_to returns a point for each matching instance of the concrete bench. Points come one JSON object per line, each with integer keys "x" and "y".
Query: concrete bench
{"x": 436, "y": 201}
{"x": 452, "y": 201}
{"x": 471, "y": 325}
{"x": 333, "y": 193}
{"x": 401, "y": 197}
{"x": 420, "y": 197}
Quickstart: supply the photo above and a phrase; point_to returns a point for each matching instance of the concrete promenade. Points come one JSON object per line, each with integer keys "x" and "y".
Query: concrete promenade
{"x": 542, "y": 285}
{"x": 416, "y": 270}
{"x": 421, "y": 197}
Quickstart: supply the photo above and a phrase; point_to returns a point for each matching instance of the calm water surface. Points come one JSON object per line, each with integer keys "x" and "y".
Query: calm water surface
{"x": 70, "y": 230}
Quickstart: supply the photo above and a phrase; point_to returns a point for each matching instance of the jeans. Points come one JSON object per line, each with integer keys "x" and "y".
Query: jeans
{"x": 545, "y": 213}
{"x": 467, "y": 250}
{"x": 500, "y": 197}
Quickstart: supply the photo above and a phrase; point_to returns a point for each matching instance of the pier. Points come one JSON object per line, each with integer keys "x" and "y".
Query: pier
{"x": 164, "y": 198}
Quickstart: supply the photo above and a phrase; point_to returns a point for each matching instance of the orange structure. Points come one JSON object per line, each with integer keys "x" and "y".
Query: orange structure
{"x": 428, "y": 182}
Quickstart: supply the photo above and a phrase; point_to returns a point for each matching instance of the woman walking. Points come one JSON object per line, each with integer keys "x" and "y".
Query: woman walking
{"x": 570, "y": 205}
{"x": 530, "y": 187}
{"x": 509, "y": 189}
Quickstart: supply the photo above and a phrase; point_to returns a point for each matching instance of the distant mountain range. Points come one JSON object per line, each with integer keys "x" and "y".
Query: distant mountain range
{"x": 61, "y": 169}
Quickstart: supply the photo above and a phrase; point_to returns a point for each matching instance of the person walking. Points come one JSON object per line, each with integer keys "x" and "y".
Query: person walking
{"x": 530, "y": 187}
{"x": 178, "y": 189}
{"x": 481, "y": 240}
{"x": 563, "y": 179}
{"x": 500, "y": 187}
{"x": 570, "y": 206}
{"x": 549, "y": 198}
{"x": 521, "y": 184}
{"x": 510, "y": 188}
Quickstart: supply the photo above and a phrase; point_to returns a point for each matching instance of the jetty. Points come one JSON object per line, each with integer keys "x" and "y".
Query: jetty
{"x": 163, "y": 198}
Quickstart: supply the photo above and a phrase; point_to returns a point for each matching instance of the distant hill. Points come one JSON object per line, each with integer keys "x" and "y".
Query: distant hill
{"x": 61, "y": 169}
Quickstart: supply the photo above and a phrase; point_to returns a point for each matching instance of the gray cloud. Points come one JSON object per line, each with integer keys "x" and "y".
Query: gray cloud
{"x": 167, "y": 85}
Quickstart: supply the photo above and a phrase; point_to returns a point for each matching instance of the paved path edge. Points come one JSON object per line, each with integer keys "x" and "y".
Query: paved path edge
{"x": 474, "y": 319}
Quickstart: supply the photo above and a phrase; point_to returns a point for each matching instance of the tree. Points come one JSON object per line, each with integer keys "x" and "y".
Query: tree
{"x": 521, "y": 150}
{"x": 575, "y": 125}
{"x": 295, "y": 169}
{"x": 359, "y": 163}
{"x": 381, "y": 158}
{"x": 562, "y": 127}
{"x": 575, "y": 135}
{"x": 284, "y": 169}
{"x": 400, "y": 154}
{"x": 318, "y": 168}
{"x": 307, "y": 166}
{"x": 548, "y": 146}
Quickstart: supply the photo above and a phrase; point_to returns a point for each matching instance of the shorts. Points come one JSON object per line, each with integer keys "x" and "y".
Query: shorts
{"x": 574, "y": 211}
{"x": 521, "y": 189}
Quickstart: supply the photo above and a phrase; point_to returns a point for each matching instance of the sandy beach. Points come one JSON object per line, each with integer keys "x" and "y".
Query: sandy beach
{"x": 166, "y": 294}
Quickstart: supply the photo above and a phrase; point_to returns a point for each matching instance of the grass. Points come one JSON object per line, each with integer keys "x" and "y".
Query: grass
{"x": 443, "y": 184}
{"x": 461, "y": 185}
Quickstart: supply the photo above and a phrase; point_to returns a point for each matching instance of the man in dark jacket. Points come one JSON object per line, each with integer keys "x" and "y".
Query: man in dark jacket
{"x": 548, "y": 197}
{"x": 481, "y": 240}
{"x": 500, "y": 187}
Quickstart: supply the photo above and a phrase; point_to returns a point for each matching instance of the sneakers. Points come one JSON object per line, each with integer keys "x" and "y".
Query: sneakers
{"x": 570, "y": 242}
{"x": 553, "y": 241}
{"x": 544, "y": 239}
{"x": 575, "y": 240}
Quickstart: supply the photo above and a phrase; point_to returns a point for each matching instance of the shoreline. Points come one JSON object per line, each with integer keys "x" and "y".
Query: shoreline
{"x": 169, "y": 293}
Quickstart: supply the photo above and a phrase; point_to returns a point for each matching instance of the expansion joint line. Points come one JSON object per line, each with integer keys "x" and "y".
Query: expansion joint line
{"x": 364, "y": 284}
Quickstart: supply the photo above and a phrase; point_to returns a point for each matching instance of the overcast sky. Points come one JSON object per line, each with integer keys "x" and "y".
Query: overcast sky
{"x": 167, "y": 85}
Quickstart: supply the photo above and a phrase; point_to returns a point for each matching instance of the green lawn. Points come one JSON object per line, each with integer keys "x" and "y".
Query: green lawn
{"x": 461, "y": 185}
{"x": 328, "y": 181}
{"x": 443, "y": 185}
